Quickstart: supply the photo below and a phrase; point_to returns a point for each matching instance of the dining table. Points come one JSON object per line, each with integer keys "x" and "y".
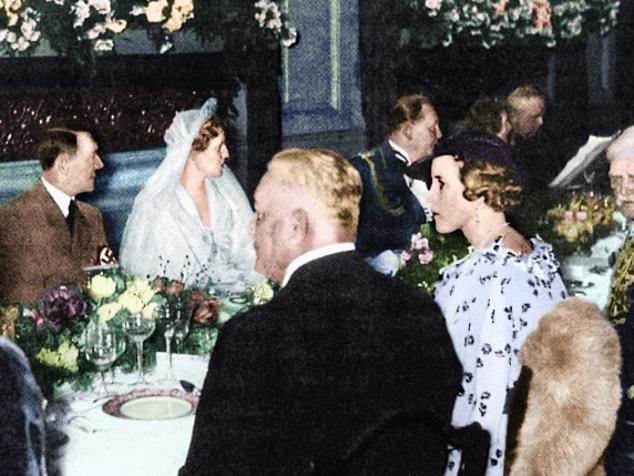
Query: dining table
{"x": 152, "y": 438}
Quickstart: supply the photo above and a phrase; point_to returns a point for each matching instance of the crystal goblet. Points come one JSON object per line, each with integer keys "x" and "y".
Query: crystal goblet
{"x": 139, "y": 328}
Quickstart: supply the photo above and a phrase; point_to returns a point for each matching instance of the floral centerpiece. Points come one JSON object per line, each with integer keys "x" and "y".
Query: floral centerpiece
{"x": 51, "y": 331}
{"x": 487, "y": 23}
{"x": 50, "y": 334}
{"x": 576, "y": 225}
{"x": 81, "y": 28}
{"x": 428, "y": 255}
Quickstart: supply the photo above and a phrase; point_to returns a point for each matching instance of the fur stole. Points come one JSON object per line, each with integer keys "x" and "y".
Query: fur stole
{"x": 574, "y": 392}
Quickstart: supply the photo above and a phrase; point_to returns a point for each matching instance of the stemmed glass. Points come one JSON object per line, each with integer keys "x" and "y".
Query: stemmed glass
{"x": 138, "y": 329}
{"x": 181, "y": 327}
{"x": 167, "y": 321}
{"x": 103, "y": 346}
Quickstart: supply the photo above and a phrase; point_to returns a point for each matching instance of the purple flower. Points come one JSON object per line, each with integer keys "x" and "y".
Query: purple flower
{"x": 61, "y": 306}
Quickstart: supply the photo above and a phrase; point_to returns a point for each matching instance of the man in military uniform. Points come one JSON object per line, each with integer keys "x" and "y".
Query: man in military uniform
{"x": 391, "y": 209}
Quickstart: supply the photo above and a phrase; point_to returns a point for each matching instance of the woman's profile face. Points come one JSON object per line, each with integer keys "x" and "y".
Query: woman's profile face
{"x": 211, "y": 160}
{"x": 451, "y": 210}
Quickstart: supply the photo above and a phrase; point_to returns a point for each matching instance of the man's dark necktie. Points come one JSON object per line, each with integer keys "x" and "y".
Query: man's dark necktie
{"x": 70, "y": 218}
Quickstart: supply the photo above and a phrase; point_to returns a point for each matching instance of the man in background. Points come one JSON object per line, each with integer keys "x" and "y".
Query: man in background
{"x": 392, "y": 204}
{"x": 47, "y": 235}
{"x": 620, "y": 307}
{"x": 490, "y": 115}
{"x": 344, "y": 371}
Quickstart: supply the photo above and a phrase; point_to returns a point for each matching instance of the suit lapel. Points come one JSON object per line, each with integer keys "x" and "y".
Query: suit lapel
{"x": 81, "y": 233}
{"x": 52, "y": 217}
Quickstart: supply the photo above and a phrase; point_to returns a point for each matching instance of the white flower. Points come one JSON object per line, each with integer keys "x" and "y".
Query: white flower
{"x": 274, "y": 24}
{"x": 3, "y": 35}
{"x": 102, "y": 6}
{"x": 404, "y": 258}
{"x": 96, "y": 31}
{"x": 433, "y": 4}
{"x": 116, "y": 26}
{"x": 154, "y": 11}
{"x": 290, "y": 38}
{"x": 129, "y": 300}
{"x": 82, "y": 11}
{"x": 149, "y": 311}
{"x": 23, "y": 44}
{"x": 12, "y": 38}
{"x": 109, "y": 310}
{"x": 166, "y": 46}
{"x": 101, "y": 287}
{"x": 136, "y": 11}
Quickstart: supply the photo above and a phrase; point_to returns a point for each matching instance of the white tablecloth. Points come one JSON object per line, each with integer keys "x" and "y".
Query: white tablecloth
{"x": 103, "y": 445}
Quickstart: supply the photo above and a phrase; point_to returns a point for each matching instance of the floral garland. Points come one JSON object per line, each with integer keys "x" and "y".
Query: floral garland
{"x": 429, "y": 254}
{"x": 487, "y": 23}
{"x": 85, "y": 27}
{"x": 50, "y": 331}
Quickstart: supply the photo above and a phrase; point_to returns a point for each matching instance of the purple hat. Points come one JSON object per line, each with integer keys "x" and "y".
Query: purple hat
{"x": 480, "y": 146}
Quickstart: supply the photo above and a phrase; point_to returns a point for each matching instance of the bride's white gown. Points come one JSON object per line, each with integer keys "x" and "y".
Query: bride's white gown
{"x": 164, "y": 235}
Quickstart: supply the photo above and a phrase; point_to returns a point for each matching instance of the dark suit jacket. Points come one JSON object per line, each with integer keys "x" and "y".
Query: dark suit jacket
{"x": 37, "y": 251}
{"x": 293, "y": 385}
{"x": 389, "y": 211}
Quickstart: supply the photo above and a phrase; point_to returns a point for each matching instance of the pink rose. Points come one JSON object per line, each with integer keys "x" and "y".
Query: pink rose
{"x": 581, "y": 215}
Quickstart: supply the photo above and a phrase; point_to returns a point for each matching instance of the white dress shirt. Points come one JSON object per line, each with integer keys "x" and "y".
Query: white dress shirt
{"x": 418, "y": 187}
{"x": 62, "y": 200}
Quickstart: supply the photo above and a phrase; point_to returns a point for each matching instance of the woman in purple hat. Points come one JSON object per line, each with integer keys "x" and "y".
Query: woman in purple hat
{"x": 494, "y": 297}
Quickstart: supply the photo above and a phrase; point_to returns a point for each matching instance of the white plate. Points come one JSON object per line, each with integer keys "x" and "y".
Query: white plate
{"x": 152, "y": 404}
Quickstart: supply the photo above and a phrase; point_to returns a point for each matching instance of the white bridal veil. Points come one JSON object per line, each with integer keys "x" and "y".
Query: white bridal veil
{"x": 164, "y": 235}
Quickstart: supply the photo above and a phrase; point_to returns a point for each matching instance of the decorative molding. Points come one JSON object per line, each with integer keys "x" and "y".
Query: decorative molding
{"x": 335, "y": 55}
{"x": 320, "y": 85}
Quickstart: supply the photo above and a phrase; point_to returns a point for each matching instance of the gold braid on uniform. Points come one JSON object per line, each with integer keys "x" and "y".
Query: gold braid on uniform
{"x": 378, "y": 186}
{"x": 618, "y": 301}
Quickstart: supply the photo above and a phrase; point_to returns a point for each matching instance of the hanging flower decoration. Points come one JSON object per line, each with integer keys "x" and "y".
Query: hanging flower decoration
{"x": 487, "y": 23}
{"x": 83, "y": 28}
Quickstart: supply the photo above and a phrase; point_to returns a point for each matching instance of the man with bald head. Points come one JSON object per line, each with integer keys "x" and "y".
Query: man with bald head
{"x": 344, "y": 370}
{"x": 48, "y": 236}
{"x": 620, "y": 307}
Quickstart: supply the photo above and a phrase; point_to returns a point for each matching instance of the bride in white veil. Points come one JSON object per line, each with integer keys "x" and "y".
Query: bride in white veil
{"x": 191, "y": 219}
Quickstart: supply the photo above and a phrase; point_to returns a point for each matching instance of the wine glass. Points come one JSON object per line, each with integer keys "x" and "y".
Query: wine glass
{"x": 181, "y": 327}
{"x": 102, "y": 345}
{"x": 138, "y": 329}
{"x": 166, "y": 319}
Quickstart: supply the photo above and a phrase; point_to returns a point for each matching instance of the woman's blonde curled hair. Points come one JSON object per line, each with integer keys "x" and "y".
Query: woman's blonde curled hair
{"x": 496, "y": 183}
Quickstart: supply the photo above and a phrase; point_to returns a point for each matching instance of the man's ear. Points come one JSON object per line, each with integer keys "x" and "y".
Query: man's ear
{"x": 62, "y": 163}
{"x": 298, "y": 225}
{"x": 407, "y": 131}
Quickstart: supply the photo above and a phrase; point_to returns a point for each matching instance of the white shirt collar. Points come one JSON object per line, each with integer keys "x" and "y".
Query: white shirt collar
{"x": 312, "y": 255}
{"x": 62, "y": 200}
{"x": 401, "y": 151}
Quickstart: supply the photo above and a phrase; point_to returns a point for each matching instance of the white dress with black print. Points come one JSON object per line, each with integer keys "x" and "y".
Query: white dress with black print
{"x": 492, "y": 300}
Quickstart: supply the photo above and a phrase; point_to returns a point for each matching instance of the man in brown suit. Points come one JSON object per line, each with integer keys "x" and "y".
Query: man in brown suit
{"x": 47, "y": 236}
